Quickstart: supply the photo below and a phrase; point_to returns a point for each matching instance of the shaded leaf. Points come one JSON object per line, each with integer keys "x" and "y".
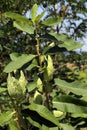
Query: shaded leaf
{"x": 38, "y": 18}
{"x": 2, "y": 90}
{"x": 46, "y": 49}
{"x": 20, "y": 61}
{"x": 75, "y": 87}
{"x": 31, "y": 86}
{"x": 23, "y": 27}
{"x": 34, "y": 123}
{"x": 44, "y": 112}
{"x": 2, "y": 34}
{"x": 32, "y": 65}
{"x": 52, "y": 21}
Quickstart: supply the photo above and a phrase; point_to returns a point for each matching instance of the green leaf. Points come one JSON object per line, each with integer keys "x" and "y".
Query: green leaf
{"x": 14, "y": 56}
{"x": 13, "y": 125}
{"x": 2, "y": 90}
{"x": 34, "y": 123}
{"x": 34, "y": 12}
{"x": 5, "y": 117}
{"x": 67, "y": 42}
{"x": 70, "y": 45}
{"x": 18, "y": 17}
{"x": 52, "y": 21}
{"x": 39, "y": 85}
{"x": 46, "y": 49}
{"x": 23, "y": 27}
{"x": 75, "y": 87}
{"x": 44, "y": 112}
{"x": 20, "y": 61}
{"x": 81, "y": 115}
{"x": 69, "y": 104}
{"x": 39, "y": 17}
{"x": 50, "y": 68}
{"x": 67, "y": 127}
{"x": 38, "y": 98}
{"x": 31, "y": 86}
{"x": 32, "y": 65}
{"x": 44, "y": 127}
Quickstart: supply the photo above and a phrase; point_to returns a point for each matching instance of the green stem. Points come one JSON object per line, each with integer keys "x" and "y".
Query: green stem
{"x": 37, "y": 46}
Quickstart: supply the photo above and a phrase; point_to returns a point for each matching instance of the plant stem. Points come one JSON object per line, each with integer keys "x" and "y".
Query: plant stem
{"x": 18, "y": 121}
{"x": 37, "y": 46}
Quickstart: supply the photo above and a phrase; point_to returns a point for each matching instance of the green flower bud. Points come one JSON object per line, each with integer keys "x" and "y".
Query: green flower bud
{"x": 16, "y": 88}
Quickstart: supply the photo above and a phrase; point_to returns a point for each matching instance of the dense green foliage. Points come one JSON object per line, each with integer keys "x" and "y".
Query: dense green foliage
{"x": 43, "y": 83}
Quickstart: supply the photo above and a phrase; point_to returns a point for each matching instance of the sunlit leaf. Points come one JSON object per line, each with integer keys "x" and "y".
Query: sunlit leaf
{"x": 67, "y": 127}
{"x": 23, "y": 27}
{"x": 75, "y": 87}
{"x": 5, "y": 117}
{"x": 50, "y": 68}
{"x": 18, "y": 17}
{"x": 13, "y": 125}
{"x": 44, "y": 127}
{"x": 14, "y": 56}
{"x": 20, "y": 61}
{"x": 34, "y": 12}
{"x": 76, "y": 115}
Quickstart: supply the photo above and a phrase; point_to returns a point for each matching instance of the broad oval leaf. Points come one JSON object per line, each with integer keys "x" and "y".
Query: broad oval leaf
{"x": 23, "y": 27}
{"x": 70, "y": 104}
{"x": 14, "y": 56}
{"x": 20, "y": 61}
{"x": 67, "y": 42}
{"x": 18, "y": 17}
{"x": 52, "y": 21}
{"x": 75, "y": 87}
{"x": 44, "y": 112}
